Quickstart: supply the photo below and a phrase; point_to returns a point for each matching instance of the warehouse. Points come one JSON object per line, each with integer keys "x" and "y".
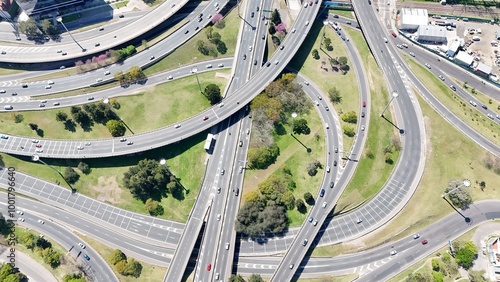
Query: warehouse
{"x": 431, "y": 34}
{"x": 411, "y": 19}
{"x": 464, "y": 59}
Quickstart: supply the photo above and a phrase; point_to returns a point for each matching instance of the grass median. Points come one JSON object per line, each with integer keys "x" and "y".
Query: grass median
{"x": 159, "y": 105}
{"x": 456, "y": 104}
{"x": 322, "y": 278}
{"x": 450, "y": 155}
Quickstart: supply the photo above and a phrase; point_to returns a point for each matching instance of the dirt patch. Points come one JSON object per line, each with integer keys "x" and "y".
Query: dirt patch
{"x": 107, "y": 190}
{"x": 222, "y": 75}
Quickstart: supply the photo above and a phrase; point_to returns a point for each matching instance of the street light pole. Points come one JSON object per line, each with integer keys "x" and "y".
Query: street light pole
{"x": 465, "y": 183}
{"x": 195, "y": 71}
{"x": 36, "y": 158}
{"x": 325, "y": 23}
{"x": 59, "y": 20}
{"x": 294, "y": 115}
{"x": 394, "y": 95}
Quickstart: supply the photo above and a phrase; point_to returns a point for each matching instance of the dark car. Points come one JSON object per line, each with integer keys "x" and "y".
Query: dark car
{"x": 85, "y": 256}
{"x": 237, "y": 192}
{"x": 364, "y": 104}
{"x": 121, "y": 16}
{"x": 331, "y": 184}
{"x": 336, "y": 16}
{"x": 252, "y": 14}
{"x": 362, "y": 114}
{"x": 205, "y": 118}
{"x": 24, "y": 85}
{"x": 322, "y": 192}
{"x": 244, "y": 56}
{"x": 424, "y": 242}
{"x": 334, "y": 163}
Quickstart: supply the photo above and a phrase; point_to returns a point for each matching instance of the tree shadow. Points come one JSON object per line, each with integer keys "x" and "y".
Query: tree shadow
{"x": 70, "y": 125}
{"x": 280, "y": 129}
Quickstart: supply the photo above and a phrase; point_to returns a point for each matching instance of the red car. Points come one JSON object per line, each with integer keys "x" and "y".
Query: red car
{"x": 364, "y": 104}
{"x": 205, "y": 118}
{"x": 424, "y": 242}
{"x": 38, "y": 145}
{"x": 394, "y": 34}
{"x": 311, "y": 3}
{"x": 209, "y": 266}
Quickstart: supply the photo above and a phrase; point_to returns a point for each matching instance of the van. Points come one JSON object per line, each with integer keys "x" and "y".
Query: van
{"x": 326, "y": 125}
{"x": 8, "y": 107}
{"x": 328, "y": 169}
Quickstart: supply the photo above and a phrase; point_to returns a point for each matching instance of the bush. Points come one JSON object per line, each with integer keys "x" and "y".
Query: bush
{"x": 84, "y": 168}
{"x": 435, "y": 264}
{"x": 308, "y": 197}
{"x": 350, "y": 117}
{"x": 71, "y": 175}
{"x": 116, "y": 256}
{"x": 348, "y": 130}
{"x": 315, "y": 54}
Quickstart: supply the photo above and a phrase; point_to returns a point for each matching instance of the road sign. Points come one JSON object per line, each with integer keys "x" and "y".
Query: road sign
{"x": 270, "y": 11}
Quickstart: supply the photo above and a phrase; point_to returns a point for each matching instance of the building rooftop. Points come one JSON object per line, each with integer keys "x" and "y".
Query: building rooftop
{"x": 484, "y": 69}
{"x": 464, "y": 57}
{"x": 411, "y": 16}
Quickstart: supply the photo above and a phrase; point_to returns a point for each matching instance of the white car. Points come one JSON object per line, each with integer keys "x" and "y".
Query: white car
{"x": 416, "y": 236}
{"x": 48, "y": 86}
{"x": 293, "y": 30}
{"x": 412, "y": 54}
{"x": 82, "y": 245}
{"x": 107, "y": 73}
{"x": 20, "y": 212}
{"x": 170, "y": 77}
{"x": 34, "y": 141}
{"x": 50, "y": 82}
{"x": 393, "y": 252}
{"x": 324, "y": 205}
{"x": 177, "y": 125}
{"x": 306, "y": 82}
{"x": 227, "y": 246}
{"x": 41, "y": 221}
{"x": 209, "y": 66}
{"x": 307, "y": 23}
{"x": 98, "y": 80}
{"x": 39, "y": 150}
{"x": 21, "y": 219}
{"x": 359, "y": 221}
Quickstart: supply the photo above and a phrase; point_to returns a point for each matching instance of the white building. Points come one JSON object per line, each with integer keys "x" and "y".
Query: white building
{"x": 453, "y": 49}
{"x": 412, "y": 18}
{"x": 464, "y": 59}
{"x": 431, "y": 34}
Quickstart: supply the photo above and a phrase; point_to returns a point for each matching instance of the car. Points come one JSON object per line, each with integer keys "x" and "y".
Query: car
{"x": 399, "y": 46}
{"x": 293, "y": 30}
{"x": 88, "y": 144}
{"x": 218, "y": 190}
{"x": 90, "y": 98}
{"x": 324, "y": 205}
{"x": 315, "y": 222}
{"x": 50, "y": 82}
{"x": 240, "y": 169}
{"x": 385, "y": 40}
{"x": 473, "y": 103}
{"x": 186, "y": 32}
{"x": 48, "y": 86}
{"x": 362, "y": 114}
{"x": 227, "y": 246}
{"x": 209, "y": 16}
{"x": 416, "y": 236}
{"x": 336, "y": 149}
{"x": 306, "y": 82}
{"x": 441, "y": 77}
{"x": 200, "y": 19}
{"x": 121, "y": 16}
{"x": 123, "y": 139}
{"x": 369, "y": 2}
{"x": 64, "y": 53}
{"x": 79, "y": 148}
{"x": 216, "y": 276}
{"x": 205, "y": 117}
{"x": 282, "y": 47}
{"x": 38, "y": 145}
{"x": 21, "y": 219}
{"x": 252, "y": 14}
{"x": 316, "y": 102}
{"x": 310, "y": 219}
{"x": 322, "y": 192}
{"x": 424, "y": 242}
{"x": 276, "y": 62}
{"x": 85, "y": 256}
{"x": 362, "y": 128}
{"x": 209, "y": 266}
{"x": 359, "y": 221}
{"x": 82, "y": 245}
{"x": 3, "y": 52}
{"x": 241, "y": 143}
{"x": 3, "y": 91}
{"x": 394, "y": 34}
{"x": 39, "y": 150}
{"x": 364, "y": 104}
{"x": 304, "y": 242}
{"x": 35, "y": 141}
{"x": 412, "y": 54}
{"x": 130, "y": 143}
{"x": 310, "y": 3}
{"x": 177, "y": 126}
{"x": 244, "y": 56}
{"x": 453, "y": 87}
{"x": 107, "y": 73}
{"x": 220, "y": 65}
{"x": 326, "y": 108}
{"x": 218, "y": 216}
{"x": 59, "y": 51}
{"x": 305, "y": 4}
{"x": 237, "y": 192}
{"x": 20, "y": 212}
{"x": 152, "y": 57}
{"x": 97, "y": 44}
{"x": 484, "y": 107}
{"x": 268, "y": 64}
{"x": 4, "y": 136}
{"x": 41, "y": 221}
{"x": 291, "y": 266}
{"x": 348, "y": 22}
{"x": 334, "y": 163}
{"x": 335, "y": 16}
{"x": 222, "y": 172}
{"x": 331, "y": 184}
{"x": 14, "y": 94}
{"x": 209, "y": 66}
{"x": 196, "y": 28}
{"x": 307, "y": 23}
{"x": 172, "y": 5}
{"x": 101, "y": 28}
{"x": 255, "y": 62}
{"x": 263, "y": 37}
{"x": 428, "y": 65}
{"x": 170, "y": 77}
{"x": 393, "y": 252}
{"x": 405, "y": 45}
{"x": 56, "y": 103}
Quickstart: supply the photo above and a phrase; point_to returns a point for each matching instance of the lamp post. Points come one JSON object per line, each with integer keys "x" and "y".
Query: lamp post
{"x": 294, "y": 115}
{"x": 36, "y": 158}
{"x": 195, "y": 71}
{"x": 465, "y": 183}
{"x": 59, "y": 20}
{"x": 394, "y": 95}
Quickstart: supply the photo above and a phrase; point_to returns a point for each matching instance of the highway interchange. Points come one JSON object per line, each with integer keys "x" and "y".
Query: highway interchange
{"x": 396, "y": 192}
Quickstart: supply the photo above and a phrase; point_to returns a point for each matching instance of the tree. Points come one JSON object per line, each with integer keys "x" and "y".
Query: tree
{"x": 18, "y": 118}
{"x": 465, "y": 257}
{"x": 116, "y": 256}
{"x": 334, "y": 95}
{"x": 221, "y": 47}
{"x": 272, "y": 30}
{"x": 154, "y": 207}
{"x": 148, "y": 179}
{"x": 437, "y": 276}
{"x": 216, "y": 38}
{"x": 84, "y": 168}
{"x": 136, "y": 73}
{"x": 48, "y": 27}
{"x": 208, "y": 32}
{"x": 120, "y": 266}
{"x": 300, "y": 127}
{"x": 315, "y": 54}
{"x": 71, "y": 175}
{"x": 236, "y": 278}
{"x": 29, "y": 27}
{"x": 29, "y": 240}
{"x": 342, "y": 60}
{"x": 418, "y": 277}
{"x": 261, "y": 158}
{"x": 275, "y": 17}
{"x": 33, "y": 126}
{"x": 312, "y": 167}
{"x": 120, "y": 77}
{"x": 75, "y": 277}
{"x": 132, "y": 268}
{"x": 308, "y": 197}
{"x": 220, "y": 24}
{"x": 61, "y": 116}
{"x": 288, "y": 200}
{"x": 459, "y": 197}
{"x": 350, "y": 117}
{"x": 255, "y": 278}
{"x": 348, "y": 130}
{"x": 116, "y": 128}
{"x": 276, "y": 40}
{"x": 51, "y": 257}
{"x": 435, "y": 264}
{"x": 327, "y": 41}
{"x": 301, "y": 206}
{"x": 212, "y": 93}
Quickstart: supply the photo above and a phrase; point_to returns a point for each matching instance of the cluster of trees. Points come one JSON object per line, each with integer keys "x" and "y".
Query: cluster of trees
{"x": 461, "y": 197}
{"x": 252, "y": 278}
{"x": 127, "y": 52}
{"x": 265, "y": 209}
{"x": 88, "y": 115}
{"x": 134, "y": 75}
{"x": 74, "y": 278}
{"x": 34, "y": 30}
{"x": 465, "y": 254}
{"x": 492, "y": 162}
{"x": 328, "y": 43}
{"x": 215, "y": 44}
{"x": 10, "y": 274}
{"x": 124, "y": 266}
{"x": 151, "y": 180}
{"x": 277, "y": 28}
{"x": 72, "y": 175}
{"x": 339, "y": 63}
{"x": 212, "y": 93}
{"x": 108, "y": 58}
{"x": 271, "y": 112}
{"x": 42, "y": 248}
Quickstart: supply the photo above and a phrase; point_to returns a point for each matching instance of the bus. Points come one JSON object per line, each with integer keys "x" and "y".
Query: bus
{"x": 208, "y": 142}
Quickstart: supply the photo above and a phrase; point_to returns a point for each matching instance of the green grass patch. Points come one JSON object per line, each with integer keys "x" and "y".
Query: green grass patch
{"x": 456, "y": 104}
{"x": 371, "y": 173}
{"x": 52, "y": 75}
{"x": 342, "y": 278}
{"x": 70, "y": 18}
{"x": 490, "y": 102}
{"x": 68, "y": 265}
{"x": 6, "y": 71}
{"x": 105, "y": 182}
{"x": 189, "y": 54}
{"x": 442, "y": 165}
{"x": 294, "y": 156}
{"x": 160, "y": 106}
{"x": 343, "y": 13}
{"x": 121, "y": 4}
{"x": 150, "y": 273}
{"x": 81, "y": 91}
{"x": 325, "y": 80}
